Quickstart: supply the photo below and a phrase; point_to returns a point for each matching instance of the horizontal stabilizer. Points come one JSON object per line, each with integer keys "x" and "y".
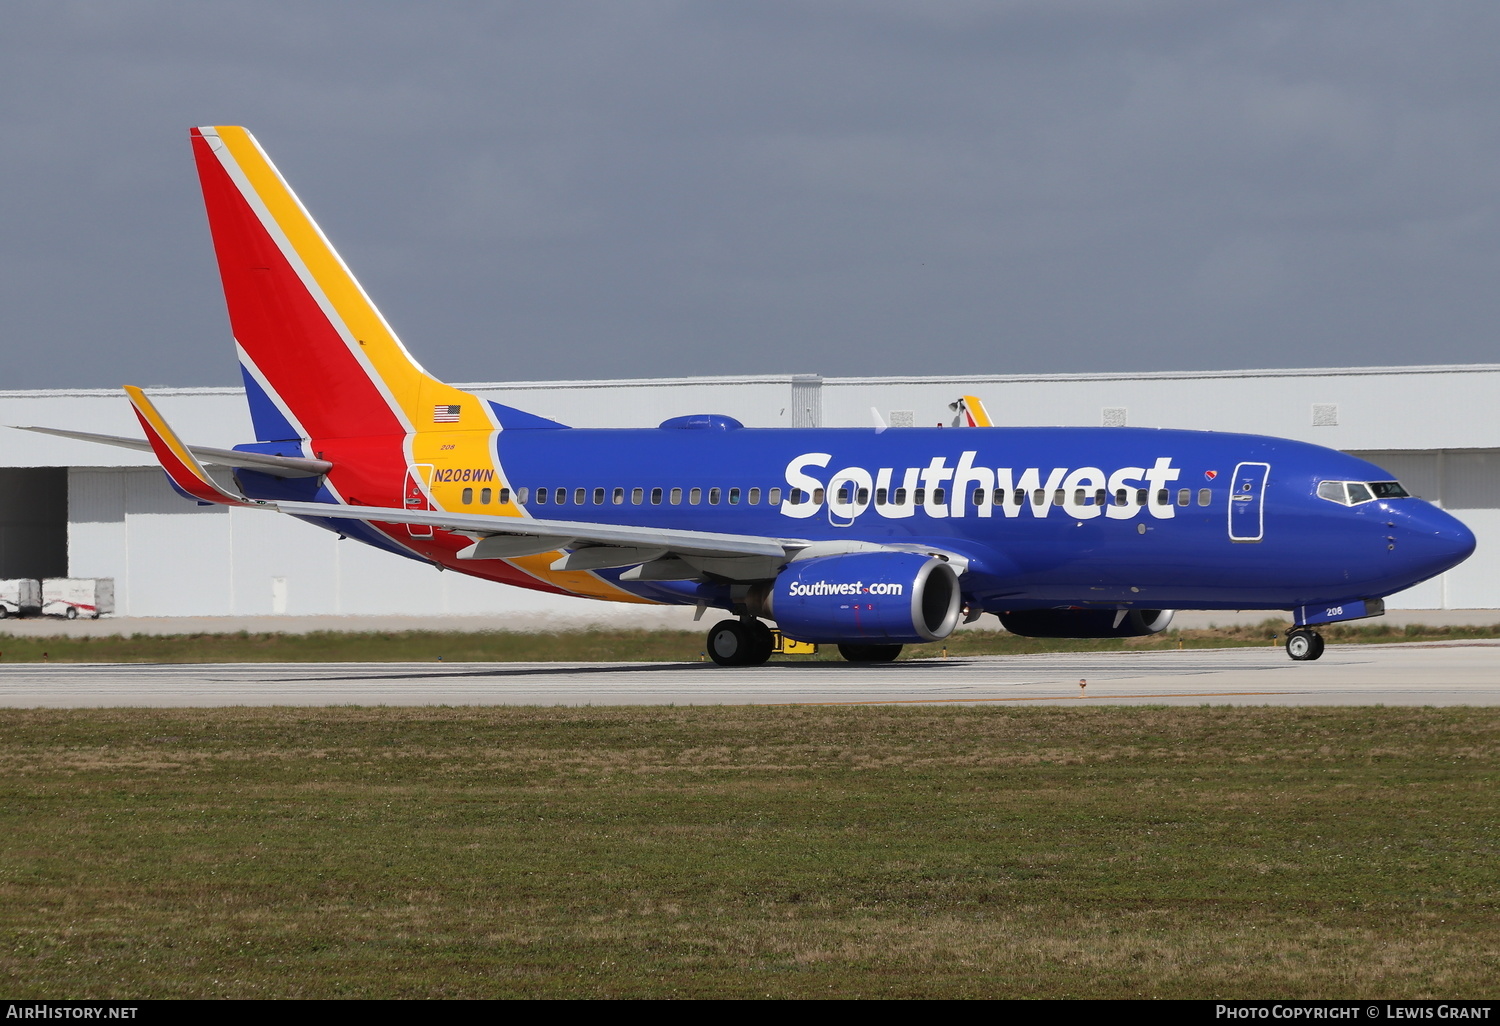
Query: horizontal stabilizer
{"x": 276, "y": 466}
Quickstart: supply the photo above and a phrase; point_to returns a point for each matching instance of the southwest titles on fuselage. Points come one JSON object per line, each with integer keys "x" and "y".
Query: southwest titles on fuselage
{"x": 948, "y": 491}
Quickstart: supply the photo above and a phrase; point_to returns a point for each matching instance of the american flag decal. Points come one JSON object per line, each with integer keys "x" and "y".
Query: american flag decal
{"x": 445, "y": 414}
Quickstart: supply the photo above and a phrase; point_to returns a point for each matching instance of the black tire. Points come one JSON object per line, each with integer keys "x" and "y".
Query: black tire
{"x": 72, "y": 613}
{"x": 1303, "y": 645}
{"x": 761, "y": 640}
{"x": 870, "y": 653}
{"x": 730, "y": 644}
{"x": 4, "y": 612}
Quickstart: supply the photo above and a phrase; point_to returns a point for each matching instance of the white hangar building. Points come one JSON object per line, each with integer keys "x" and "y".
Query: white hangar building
{"x": 70, "y": 508}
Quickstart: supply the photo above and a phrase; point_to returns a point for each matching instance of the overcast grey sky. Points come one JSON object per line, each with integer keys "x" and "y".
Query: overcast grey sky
{"x": 603, "y": 189}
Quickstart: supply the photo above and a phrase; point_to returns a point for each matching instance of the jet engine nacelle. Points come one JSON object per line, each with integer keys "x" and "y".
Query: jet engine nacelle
{"x": 1086, "y": 623}
{"x": 883, "y": 597}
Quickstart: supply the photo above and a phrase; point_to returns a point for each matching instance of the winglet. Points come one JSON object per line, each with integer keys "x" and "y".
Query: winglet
{"x": 971, "y": 412}
{"x": 183, "y": 469}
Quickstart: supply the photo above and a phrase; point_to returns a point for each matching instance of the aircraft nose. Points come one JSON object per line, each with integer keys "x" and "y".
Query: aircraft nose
{"x": 1431, "y": 539}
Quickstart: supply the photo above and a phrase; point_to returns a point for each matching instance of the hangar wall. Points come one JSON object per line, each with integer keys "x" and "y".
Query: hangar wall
{"x": 108, "y": 512}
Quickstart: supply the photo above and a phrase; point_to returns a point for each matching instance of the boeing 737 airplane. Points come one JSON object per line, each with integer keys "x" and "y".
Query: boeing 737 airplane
{"x": 867, "y": 538}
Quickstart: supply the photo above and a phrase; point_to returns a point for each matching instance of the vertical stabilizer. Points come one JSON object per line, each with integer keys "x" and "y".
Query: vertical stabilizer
{"x": 319, "y": 360}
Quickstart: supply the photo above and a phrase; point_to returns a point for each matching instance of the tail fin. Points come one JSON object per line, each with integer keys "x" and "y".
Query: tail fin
{"x": 318, "y": 359}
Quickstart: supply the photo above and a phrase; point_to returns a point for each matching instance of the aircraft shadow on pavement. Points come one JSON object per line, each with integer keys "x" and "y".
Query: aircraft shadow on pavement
{"x": 564, "y": 669}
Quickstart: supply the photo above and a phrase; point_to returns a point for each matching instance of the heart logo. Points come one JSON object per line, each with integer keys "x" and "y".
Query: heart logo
{"x": 1209, "y": 475}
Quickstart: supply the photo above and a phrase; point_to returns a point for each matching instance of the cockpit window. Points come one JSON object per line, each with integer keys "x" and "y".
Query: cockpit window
{"x": 1352, "y": 493}
{"x": 1333, "y": 491}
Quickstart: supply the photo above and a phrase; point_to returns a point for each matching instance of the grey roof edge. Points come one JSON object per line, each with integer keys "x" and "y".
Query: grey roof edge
{"x": 788, "y": 379}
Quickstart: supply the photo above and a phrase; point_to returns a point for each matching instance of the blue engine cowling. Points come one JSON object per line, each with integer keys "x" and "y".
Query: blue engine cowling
{"x": 1086, "y": 623}
{"x": 892, "y": 597}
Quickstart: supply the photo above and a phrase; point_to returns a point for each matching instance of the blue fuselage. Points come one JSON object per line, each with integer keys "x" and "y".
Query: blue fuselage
{"x": 1229, "y": 521}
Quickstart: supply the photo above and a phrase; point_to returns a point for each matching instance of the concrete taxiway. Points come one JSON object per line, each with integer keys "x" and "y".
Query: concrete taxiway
{"x": 1462, "y": 673}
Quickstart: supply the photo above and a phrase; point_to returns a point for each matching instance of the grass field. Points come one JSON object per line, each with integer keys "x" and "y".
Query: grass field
{"x": 872, "y": 851}
{"x": 619, "y": 645}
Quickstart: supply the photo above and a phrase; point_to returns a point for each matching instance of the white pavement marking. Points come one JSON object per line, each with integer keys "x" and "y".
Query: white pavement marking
{"x": 1457, "y": 674}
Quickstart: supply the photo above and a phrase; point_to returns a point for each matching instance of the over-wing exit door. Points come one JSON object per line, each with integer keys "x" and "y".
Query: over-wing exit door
{"x": 1247, "y": 502}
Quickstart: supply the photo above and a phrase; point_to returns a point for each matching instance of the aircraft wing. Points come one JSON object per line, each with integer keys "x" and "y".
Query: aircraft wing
{"x": 497, "y": 537}
{"x": 276, "y": 466}
{"x": 557, "y": 534}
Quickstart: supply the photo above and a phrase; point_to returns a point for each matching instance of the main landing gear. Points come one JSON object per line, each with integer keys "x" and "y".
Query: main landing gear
{"x": 1303, "y": 644}
{"x": 749, "y": 643}
{"x": 740, "y": 643}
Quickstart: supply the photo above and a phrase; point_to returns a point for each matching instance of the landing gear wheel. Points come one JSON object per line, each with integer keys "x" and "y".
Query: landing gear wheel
{"x": 1304, "y": 645}
{"x": 760, "y": 635}
{"x": 739, "y": 643}
{"x": 870, "y": 653}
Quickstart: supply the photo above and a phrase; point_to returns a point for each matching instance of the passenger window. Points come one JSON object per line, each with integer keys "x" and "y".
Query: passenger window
{"x": 734, "y": 496}
{"x": 713, "y": 497}
{"x": 580, "y": 496}
{"x": 844, "y": 495}
{"x": 636, "y": 495}
{"x": 1059, "y": 497}
{"x": 774, "y": 497}
{"x": 1101, "y": 497}
{"x": 1184, "y": 496}
{"x": 619, "y": 496}
{"x": 1078, "y": 497}
{"x": 484, "y": 496}
{"x": 504, "y": 496}
{"x": 656, "y": 496}
{"x": 598, "y": 496}
{"x": 818, "y": 496}
{"x": 880, "y": 496}
{"x": 1358, "y": 493}
{"x": 1039, "y": 497}
{"x": 1140, "y": 496}
{"x": 862, "y": 496}
{"x": 676, "y": 497}
{"x": 978, "y": 497}
{"x": 753, "y": 497}
{"x": 919, "y": 496}
{"x": 541, "y": 496}
{"x": 561, "y": 497}
{"x": 939, "y": 496}
{"x": 468, "y": 496}
{"x": 900, "y": 499}
{"x": 695, "y": 496}
{"x": 1020, "y": 497}
{"x": 1122, "y": 497}
{"x": 1204, "y": 496}
{"x": 795, "y": 497}
{"x": 522, "y": 494}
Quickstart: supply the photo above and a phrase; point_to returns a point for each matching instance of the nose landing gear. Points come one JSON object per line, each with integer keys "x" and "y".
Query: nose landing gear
{"x": 1303, "y": 644}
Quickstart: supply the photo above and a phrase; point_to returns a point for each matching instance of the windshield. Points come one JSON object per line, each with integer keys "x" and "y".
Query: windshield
{"x": 1352, "y": 493}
